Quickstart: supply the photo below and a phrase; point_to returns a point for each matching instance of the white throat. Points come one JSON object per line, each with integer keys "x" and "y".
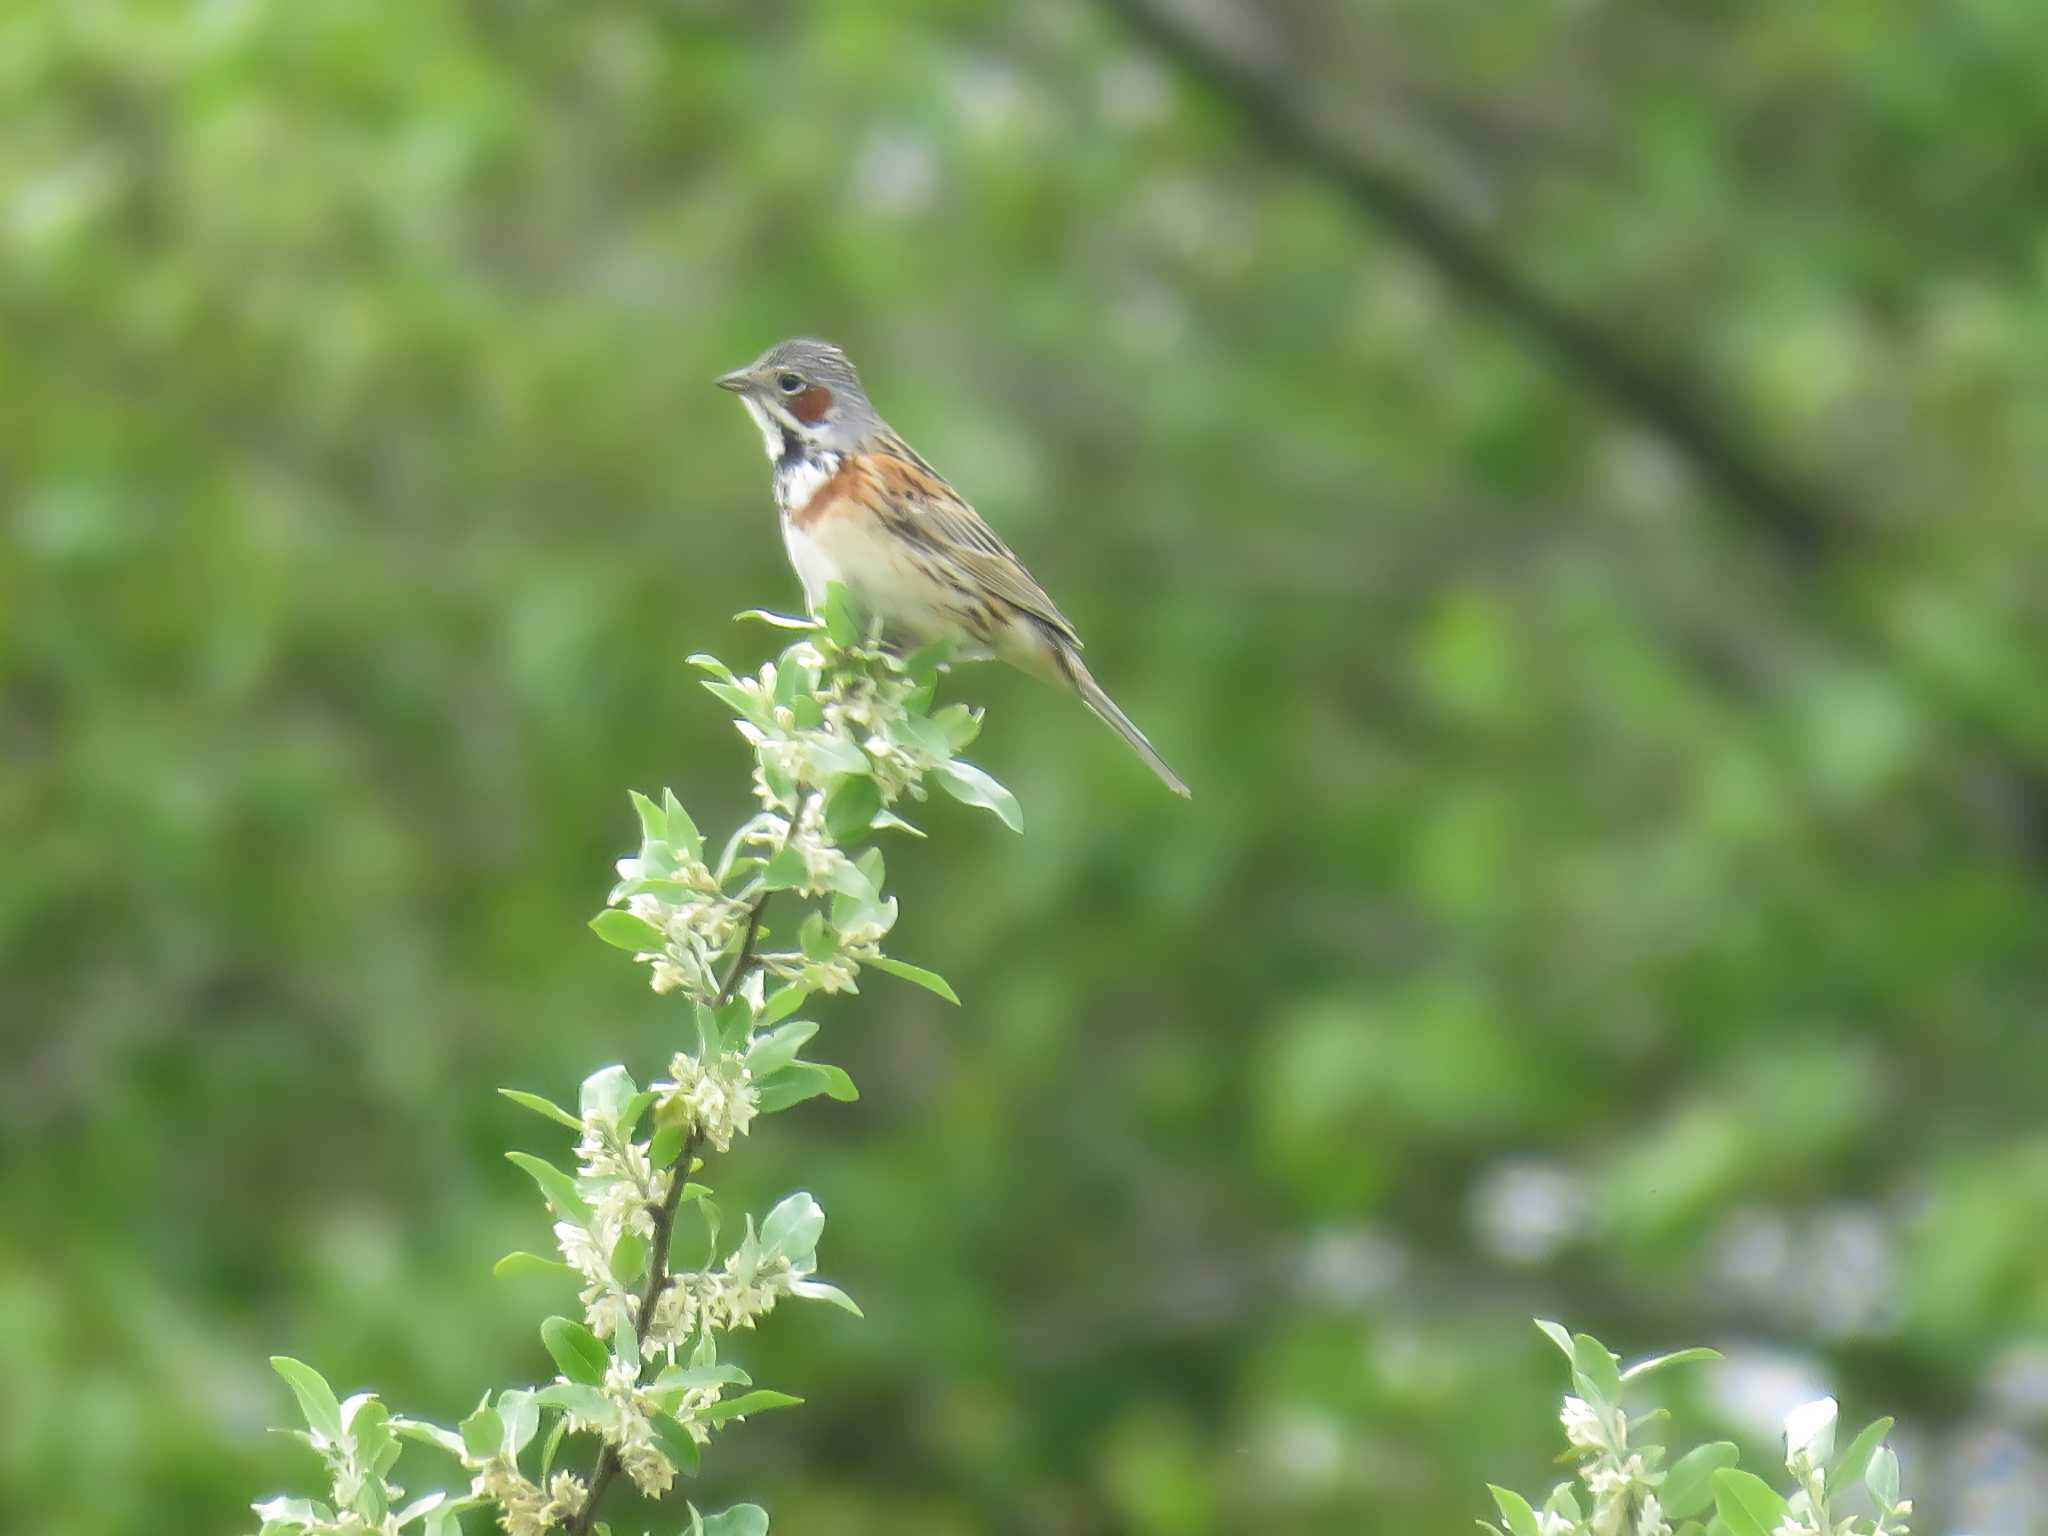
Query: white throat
{"x": 799, "y": 475}
{"x": 773, "y": 437}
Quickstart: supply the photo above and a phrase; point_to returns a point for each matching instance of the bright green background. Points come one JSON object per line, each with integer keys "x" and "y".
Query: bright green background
{"x": 1587, "y": 907}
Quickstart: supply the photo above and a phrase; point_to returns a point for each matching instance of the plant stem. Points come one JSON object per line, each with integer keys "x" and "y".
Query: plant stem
{"x": 658, "y": 1276}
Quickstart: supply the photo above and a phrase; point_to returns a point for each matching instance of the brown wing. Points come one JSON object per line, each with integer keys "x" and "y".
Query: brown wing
{"x": 928, "y": 512}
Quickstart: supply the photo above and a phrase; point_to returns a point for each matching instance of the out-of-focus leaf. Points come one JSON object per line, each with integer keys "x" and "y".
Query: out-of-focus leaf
{"x": 931, "y": 981}
{"x": 1747, "y": 1503}
{"x": 556, "y": 1185}
{"x": 541, "y": 1106}
{"x": 1688, "y": 1487}
{"x": 971, "y": 786}
{"x": 579, "y": 1352}
{"x": 316, "y": 1398}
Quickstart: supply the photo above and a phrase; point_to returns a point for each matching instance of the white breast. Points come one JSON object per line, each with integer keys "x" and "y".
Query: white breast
{"x": 814, "y": 567}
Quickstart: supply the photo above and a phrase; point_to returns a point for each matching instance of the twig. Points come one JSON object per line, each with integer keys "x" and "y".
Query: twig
{"x": 1801, "y": 519}
{"x": 658, "y": 1276}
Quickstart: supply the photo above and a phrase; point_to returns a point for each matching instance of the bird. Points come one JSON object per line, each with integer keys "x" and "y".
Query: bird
{"x": 861, "y": 507}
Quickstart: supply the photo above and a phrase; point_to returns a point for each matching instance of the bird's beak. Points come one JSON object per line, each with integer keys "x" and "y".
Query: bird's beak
{"x": 738, "y": 381}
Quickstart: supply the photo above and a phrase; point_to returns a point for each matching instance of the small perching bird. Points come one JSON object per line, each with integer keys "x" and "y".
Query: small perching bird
{"x": 861, "y": 508}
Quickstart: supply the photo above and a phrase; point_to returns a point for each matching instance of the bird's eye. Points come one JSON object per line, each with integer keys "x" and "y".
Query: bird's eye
{"x": 789, "y": 383}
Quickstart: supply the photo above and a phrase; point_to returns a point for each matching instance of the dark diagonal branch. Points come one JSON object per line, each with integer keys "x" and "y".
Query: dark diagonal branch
{"x": 1800, "y": 519}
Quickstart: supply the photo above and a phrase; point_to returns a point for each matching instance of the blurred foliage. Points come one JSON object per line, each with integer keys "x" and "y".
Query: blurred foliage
{"x": 1587, "y": 906}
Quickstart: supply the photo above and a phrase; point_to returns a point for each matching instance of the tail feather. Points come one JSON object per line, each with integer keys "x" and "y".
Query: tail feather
{"x": 1103, "y": 705}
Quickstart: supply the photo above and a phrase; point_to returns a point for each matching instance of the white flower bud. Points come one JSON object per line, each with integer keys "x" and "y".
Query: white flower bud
{"x": 1582, "y": 1425}
{"x": 1810, "y": 1436}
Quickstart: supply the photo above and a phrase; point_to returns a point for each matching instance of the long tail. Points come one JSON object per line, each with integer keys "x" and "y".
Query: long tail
{"x": 1103, "y": 705}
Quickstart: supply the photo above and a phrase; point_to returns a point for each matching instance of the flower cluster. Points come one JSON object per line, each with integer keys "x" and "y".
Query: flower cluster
{"x": 842, "y": 733}
{"x": 716, "y": 1099}
{"x": 1630, "y": 1491}
{"x": 524, "y": 1507}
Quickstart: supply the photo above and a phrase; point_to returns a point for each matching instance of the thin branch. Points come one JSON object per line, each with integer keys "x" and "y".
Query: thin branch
{"x": 1802, "y": 520}
{"x": 659, "y": 1277}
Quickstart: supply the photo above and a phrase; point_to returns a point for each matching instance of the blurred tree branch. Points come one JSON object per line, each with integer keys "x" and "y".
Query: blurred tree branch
{"x": 1801, "y": 519}
{"x": 1803, "y": 522}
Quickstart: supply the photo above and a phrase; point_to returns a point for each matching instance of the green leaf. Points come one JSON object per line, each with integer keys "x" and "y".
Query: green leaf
{"x": 524, "y": 1263}
{"x": 851, "y": 881}
{"x": 706, "y": 662}
{"x": 282, "y": 1514}
{"x": 778, "y": 620}
{"x": 606, "y": 1092}
{"x": 850, "y": 808}
{"x": 483, "y": 1433}
{"x": 840, "y": 618}
{"x": 585, "y": 1402}
{"x": 815, "y": 938}
{"x": 521, "y": 1415}
{"x": 682, "y": 832}
{"x": 667, "y": 1142}
{"x": 832, "y": 755}
{"x": 1688, "y": 1487}
{"x": 1850, "y": 1466}
{"x": 580, "y": 1354}
{"x": 924, "y": 664}
{"x": 419, "y": 1508}
{"x": 631, "y": 1111}
{"x": 818, "y": 1290}
{"x": 653, "y": 819}
{"x": 791, "y": 682}
{"x": 629, "y": 1258}
{"x": 960, "y": 724}
{"x": 781, "y": 1003}
{"x": 791, "y": 1086}
{"x": 931, "y": 981}
{"x": 541, "y": 1106}
{"x": 746, "y": 1403}
{"x": 871, "y": 864}
{"x": 1557, "y": 1334}
{"x": 777, "y": 1048}
{"x": 1515, "y": 1510}
{"x": 793, "y": 1228}
{"x": 423, "y": 1433}
{"x": 1594, "y": 1371}
{"x": 555, "y": 1437}
{"x": 316, "y": 1398}
{"x": 733, "y": 1019}
{"x": 678, "y": 1379}
{"x": 740, "y": 1520}
{"x": 802, "y": 1080}
{"x": 676, "y": 1443}
{"x": 916, "y": 734}
{"x": 1881, "y": 1477}
{"x": 555, "y": 1184}
{"x": 1677, "y": 1357}
{"x": 740, "y": 702}
{"x": 889, "y": 821}
{"x": 785, "y": 871}
{"x": 1747, "y": 1503}
{"x": 370, "y": 1503}
{"x": 971, "y": 786}
{"x": 622, "y": 930}
{"x": 710, "y": 1038}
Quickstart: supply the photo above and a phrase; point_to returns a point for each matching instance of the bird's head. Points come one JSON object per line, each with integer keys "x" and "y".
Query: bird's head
{"x": 804, "y": 394}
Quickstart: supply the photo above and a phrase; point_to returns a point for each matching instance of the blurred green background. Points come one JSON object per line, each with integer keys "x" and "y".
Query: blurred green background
{"x": 1614, "y": 889}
